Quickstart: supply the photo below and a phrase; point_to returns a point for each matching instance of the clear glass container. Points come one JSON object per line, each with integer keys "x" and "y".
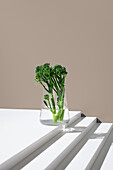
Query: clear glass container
{"x": 55, "y": 111}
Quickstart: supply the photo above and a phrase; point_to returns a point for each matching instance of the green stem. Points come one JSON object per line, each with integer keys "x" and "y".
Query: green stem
{"x": 55, "y": 84}
{"x": 54, "y": 118}
{"x": 62, "y": 115}
{"x": 61, "y": 105}
{"x": 44, "y": 87}
{"x": 50, "y": 106}
{"x": 53, "y": 102}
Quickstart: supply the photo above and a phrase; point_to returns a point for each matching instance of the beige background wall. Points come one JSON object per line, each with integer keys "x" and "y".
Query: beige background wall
{"x": 75, "y": 33}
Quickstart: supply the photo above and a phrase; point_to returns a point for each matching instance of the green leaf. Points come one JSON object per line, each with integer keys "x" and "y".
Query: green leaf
{"x": 46, "y": 97}
{"x": 45, "y": 103}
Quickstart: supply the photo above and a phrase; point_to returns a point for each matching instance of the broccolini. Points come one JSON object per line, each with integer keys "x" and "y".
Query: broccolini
{"x": 53, "y": 80}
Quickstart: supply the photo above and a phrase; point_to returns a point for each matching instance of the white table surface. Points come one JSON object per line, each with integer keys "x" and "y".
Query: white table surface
{"x": 19, "y": 129}
{"x": 22, "y": 135}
